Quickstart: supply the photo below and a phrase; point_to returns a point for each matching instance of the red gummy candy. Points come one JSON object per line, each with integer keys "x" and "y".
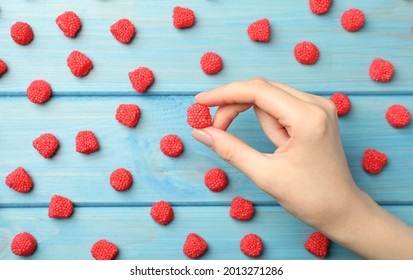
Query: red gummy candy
{"x": 128, "y": 114}
{"x": 86, "y": 142}
{"x": 23, "y": 244}
{"x": 60, "y": 207}
{"x": 352, "y": 20}
{"x": 21, "y": 33}
{"x": 46, "y": 144}
{"x": 171, "y": 145}
{"x": 216, "y": 180}
{"x": 260, "y": 30}
{"x": 251, "y": 245}
{"x": 306, "y": 53}
{"x": 104, "y": 250}
{"x": 198, "y": 116}
{"x": 123, "y": 30}
{"x": 373, "y": 161}
{"x": 141, "y": 78}
{"x": 317, "y": 244}
{"x": 79, "y": 64}
{"x": 19, "y": 180}
{"x": 162, "y": 212}
{"x": 195, "y": 246}
{"x": 211, "y": 63}
{"x": 320, "y": 7}
{"x": 381, "y": 70}
{"x": 342, "y": 103}
{"x": 183, "y": 17}
{"x": 39, "y": 91}
{"x": 69, "y": 23}
{"x": 398, "y": 116}
{"x": 121, "y": 179}
{"x": 3, "y": 67}
{"x": 241, "y": 209}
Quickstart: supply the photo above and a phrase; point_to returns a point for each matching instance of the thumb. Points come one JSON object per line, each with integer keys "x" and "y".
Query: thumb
{"x": 233, "y": 150}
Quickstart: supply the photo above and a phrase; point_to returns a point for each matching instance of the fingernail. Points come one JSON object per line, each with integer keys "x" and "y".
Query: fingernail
{"x": 203, "y": 137}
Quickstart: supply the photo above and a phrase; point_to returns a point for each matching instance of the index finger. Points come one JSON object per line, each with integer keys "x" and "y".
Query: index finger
{"x": 275, "y": 101}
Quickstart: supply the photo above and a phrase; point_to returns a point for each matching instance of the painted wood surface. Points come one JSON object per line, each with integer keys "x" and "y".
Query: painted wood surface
{"x": 90, "y": 103}
{"x": 174, "y": 54}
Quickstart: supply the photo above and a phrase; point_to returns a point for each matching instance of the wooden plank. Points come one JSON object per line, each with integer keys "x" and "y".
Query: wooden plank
{"x": 174, "y": 54}
{"x": 85, "y": 178}
{"x": 139, "y": 237}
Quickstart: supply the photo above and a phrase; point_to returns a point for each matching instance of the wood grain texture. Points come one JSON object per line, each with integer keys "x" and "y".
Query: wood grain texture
{"x": 85, "y": 178}
{"x": 174, "y": 54}
{"x": 90, "y": 103}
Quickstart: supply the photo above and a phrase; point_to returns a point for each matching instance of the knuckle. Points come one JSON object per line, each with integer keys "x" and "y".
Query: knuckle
{"x": 259, "y": 82}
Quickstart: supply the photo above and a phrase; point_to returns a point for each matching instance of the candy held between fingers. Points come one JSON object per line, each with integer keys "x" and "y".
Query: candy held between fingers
{"x": 123, "y": 30}
{"x": 199, "y": 116}
{"x": 241, "y": 209}
{"x": 342, "y": 103}
{"x": 194, "y": 246}
{"x": 251, "y": 245}
{"x": 183, "y": 17}
{"x": 306, "y": 53}
{"x": 69, "y": 23}
{"x": 21, "y": 33}
{"x": 373, "y": 161}
{"x": 162, "y": 212}
{"x": 19, "y": 180}
{"x": 121, "y": 179}
{"x": 260, "y": 30}
{"x": 39, "y": 91}
{"x": 104, "y": 250}
{"x": 211, "y": 63}
{"x": 60, "y": 207}
{"x": 317, "y": 244}
{"x": 320, "y": 7}
{"x": 171, "y": 145}
{"x": 23, "y": 244}
{"x": 398, "y": 116}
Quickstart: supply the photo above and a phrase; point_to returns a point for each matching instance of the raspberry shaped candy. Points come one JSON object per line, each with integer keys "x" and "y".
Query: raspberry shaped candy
{"x": 104, "y": 250}
{"x": 320, "y": 7}
{"x": 46, "y": 144}
{"x": 216, "y": 180}
{"x": 86, "y": 142}
{"x": 60, "y": 207}
{"x": 128, "y": 114}
{"x": 342, "y": 103}
{"x": 23, "y": 244}
{"x": 21, "y": 33}
{"x": 123, "y": 30}
{"x": 162, "y": 213}
{"x": 183, "y": 17}
{"x": 171, "y": 145}
{"x": 373, "y": 161}
{"x": 241, "y": 209}
{"x": 121, "y": 179}
{"x": 79, "y": 64}
{"x": 398, "y": 116}
{"x": 141, "y": 78}
{"x": 306, "y": 53}
{"x": 198, "y": 116}
{"x": 317, "y": 244}
{"x": 352, "y": 20}
{"x": 260, "y": 30}
{"x": 251, "y": 245}
{"x": 3, "y": 67}
{"x": 39, "y": 91}
{"x": 195, "y": 246}
{"x": 211, "y": 63}
{"x": 381, "y": 70}
{"x": 19, "y": 180}
{"x": 69, "y": 23}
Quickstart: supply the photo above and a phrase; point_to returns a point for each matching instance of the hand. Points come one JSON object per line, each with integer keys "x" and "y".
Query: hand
{"x": 308, "y": 173}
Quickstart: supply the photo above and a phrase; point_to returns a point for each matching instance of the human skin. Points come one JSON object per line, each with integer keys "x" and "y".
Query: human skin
{"x": 307, "y": 174}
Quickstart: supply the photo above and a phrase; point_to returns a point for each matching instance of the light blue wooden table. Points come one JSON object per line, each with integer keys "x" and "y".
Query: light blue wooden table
{"x": 173, "y": 55}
